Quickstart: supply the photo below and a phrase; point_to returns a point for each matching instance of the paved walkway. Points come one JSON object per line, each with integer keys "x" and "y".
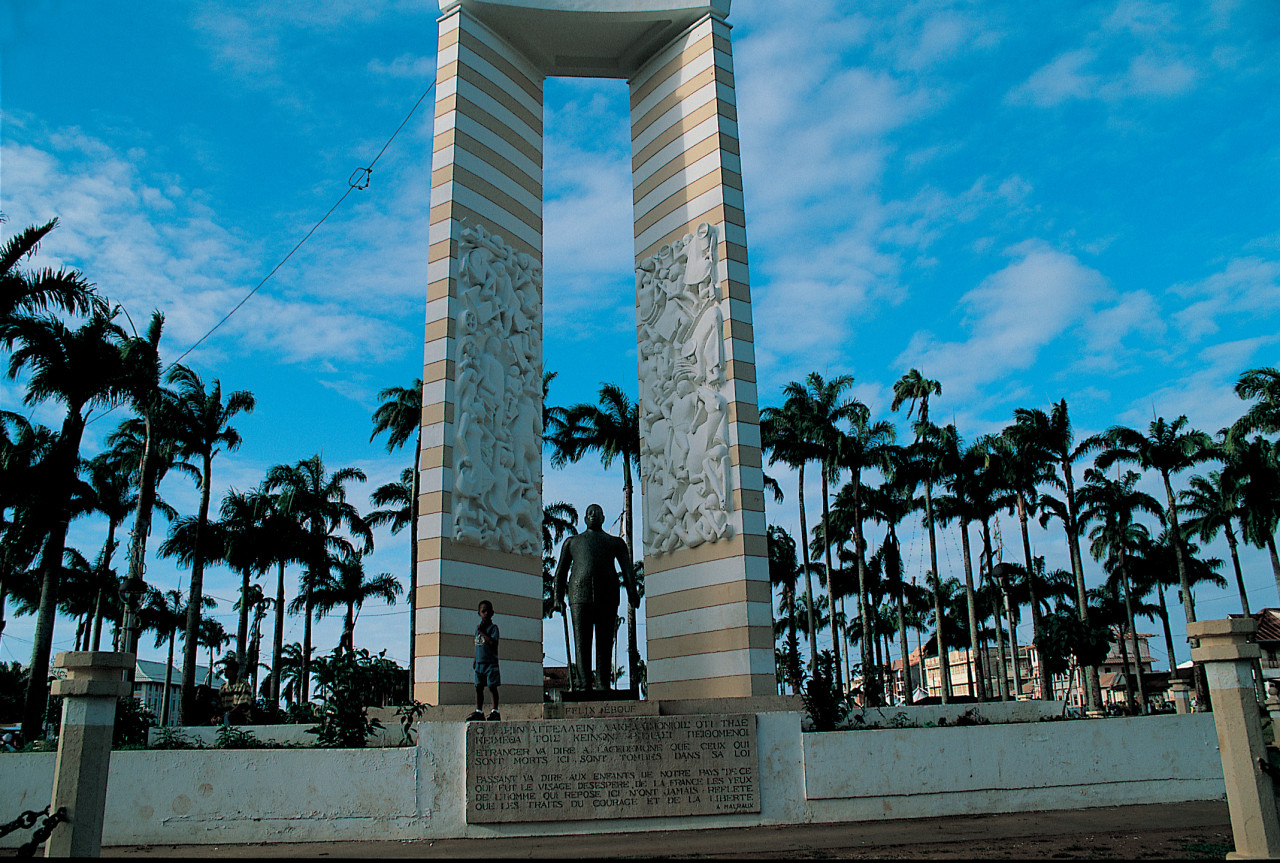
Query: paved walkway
{"x": 1174, "y": 831}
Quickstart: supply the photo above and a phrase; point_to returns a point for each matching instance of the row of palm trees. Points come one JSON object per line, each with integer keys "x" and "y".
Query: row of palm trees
{"x": 66, "y": 345}
{"x": 1027, "y": 470}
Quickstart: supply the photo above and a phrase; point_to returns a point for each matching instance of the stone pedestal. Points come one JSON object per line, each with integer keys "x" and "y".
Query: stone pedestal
{"x": 1181, "y": 691}
{"x": 1228, "y": 654}
{"x": 95, "y": 679}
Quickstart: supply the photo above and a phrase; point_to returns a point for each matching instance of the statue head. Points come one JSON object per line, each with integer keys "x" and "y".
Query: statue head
{"x": 594, "y": 517}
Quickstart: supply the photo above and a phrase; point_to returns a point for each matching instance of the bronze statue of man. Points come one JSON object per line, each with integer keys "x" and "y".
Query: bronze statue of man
{"x": 587, "y": 575}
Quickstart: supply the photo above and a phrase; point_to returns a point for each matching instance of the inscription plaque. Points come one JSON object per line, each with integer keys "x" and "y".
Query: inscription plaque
{"x": 640, "y": 767}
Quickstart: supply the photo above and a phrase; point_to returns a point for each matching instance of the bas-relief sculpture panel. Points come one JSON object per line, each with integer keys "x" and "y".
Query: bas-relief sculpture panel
{"x": 684, "y": 410}
{"x": 497, "y": 445}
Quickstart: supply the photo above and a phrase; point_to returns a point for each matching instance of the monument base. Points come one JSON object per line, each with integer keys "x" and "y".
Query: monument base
{"x": 576, "y": 695}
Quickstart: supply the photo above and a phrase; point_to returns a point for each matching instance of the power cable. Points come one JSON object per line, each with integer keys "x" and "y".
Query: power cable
{"x": 358, "y": 181}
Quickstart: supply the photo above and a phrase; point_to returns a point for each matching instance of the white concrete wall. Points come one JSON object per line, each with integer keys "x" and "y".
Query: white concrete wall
{"x": 256, "y": 795}
{"x": 915, "y": 773}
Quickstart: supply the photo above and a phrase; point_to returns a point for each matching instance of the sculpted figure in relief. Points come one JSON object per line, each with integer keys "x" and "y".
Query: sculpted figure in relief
{"x": 497, "y": 445}
{"x": 684, "y": 409}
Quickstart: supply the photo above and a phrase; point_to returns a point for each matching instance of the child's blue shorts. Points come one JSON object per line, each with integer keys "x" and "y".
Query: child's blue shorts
{"x": 487, "y": 674}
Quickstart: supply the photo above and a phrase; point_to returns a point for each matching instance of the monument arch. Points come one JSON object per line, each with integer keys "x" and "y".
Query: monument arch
{"x": 709, "y": 619}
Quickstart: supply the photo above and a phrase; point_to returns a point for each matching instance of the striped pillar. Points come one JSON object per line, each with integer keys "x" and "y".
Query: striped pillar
{"x": 486, "y": 182}
{"x": 708, "y": 607}
{"x": 708, "y": 600}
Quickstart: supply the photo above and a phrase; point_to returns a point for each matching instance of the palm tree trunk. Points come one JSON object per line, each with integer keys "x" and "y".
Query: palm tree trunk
{"x": 902, "y": 647}
{"x": 1046, "y": 680}
{"x": 1013, "y": 645}
{"x": 1133, "y": 633}
{"x": 1008, "y": 610}
{"x": 168, "y": 682}
{"x": 349, "y": 628}
{"x": 196, "y": 595}
{"x": 37, "y": 697}
{"x": 831, "y": 584}
{"x": 1126, "y": 671}
{"x": 1094, "y": 690}
{"x": 944, "y": 666}
{"x": 1275, "y": 559}
{"x": 971, "y": 601}
{"x": 793, "y": 641}
{"x": 1184, "y": 581}
{"x": 305, "y": 694}
{"x": 134, "y": 582}
{"x": 242, "y": 624}
{"x": 1002, "y": 674}
{"x": 808, "y": 578}
{"x": 1168, "y": 633}
{"x": 1235, "y": 563}
{"x": 870, "y": 683}
{"x": 277, "y": 638}
{"x": 98, "y": 611}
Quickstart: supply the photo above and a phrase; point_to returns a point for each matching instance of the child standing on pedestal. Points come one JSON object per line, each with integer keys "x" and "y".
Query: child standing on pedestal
{"x": 486, "y": 661}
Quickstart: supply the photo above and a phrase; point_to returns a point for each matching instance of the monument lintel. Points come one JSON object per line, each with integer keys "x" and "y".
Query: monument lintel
{"x": 589, "y": 38}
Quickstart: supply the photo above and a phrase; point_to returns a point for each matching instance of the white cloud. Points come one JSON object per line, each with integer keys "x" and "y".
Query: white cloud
{"x": 149, "y": 243}
{"x": 404, "y": 66}
{"x": 1247, "y": 286}
{"x": 1009, "y": 318}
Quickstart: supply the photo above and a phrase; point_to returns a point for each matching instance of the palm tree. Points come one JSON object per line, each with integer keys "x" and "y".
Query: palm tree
{"x": 23, "y": 460}
{"x": 1167, "y": 448}
{"x": 82, "y": 369}
{"x": 1027, "y": 466}
{"x": 203, "y": 430}
{"x": 610, "y": 428}
{"x": 1212, "y": 503}
{"x": 242, "y": 543}
{"x": 113, "y": 497}
{"x": 24, "y": 293}
{"x": 146, "y": 446}
{"x": 164, "y": 614}
{"x": 819, "y": 408}
{"x": 400, "y": 417}
{"x": 868, "y": 445}
{"x": 925, "y": 464}
{"x": 1263, "y": 386}
{"x": 288, "y": 544}
{"x": 1051, "y": 433}
{"x": 914, "y": 389}
{"x": 289, "y": 670}
{"x": 1154, "y": 569}
{"x": 782, "y": 437}
{"x": 889, "y": 505}
{"x": 1254, "y": 466}
{"x": 964, "y": 468}
{"x": 213, "y": 636}
{"x": 349, "y": 589}
{"x": 784, "y": 571}
{"x": 1114, "y": 503}
{"x": 318, "y": 500}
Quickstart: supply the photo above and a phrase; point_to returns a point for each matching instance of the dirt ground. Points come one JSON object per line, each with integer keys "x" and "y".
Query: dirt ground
{"x": 1181, "y": 831}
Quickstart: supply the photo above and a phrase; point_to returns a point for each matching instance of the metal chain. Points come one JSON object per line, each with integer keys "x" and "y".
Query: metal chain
{"x": 25, "y": 821}
{"x": 42, "y": 832}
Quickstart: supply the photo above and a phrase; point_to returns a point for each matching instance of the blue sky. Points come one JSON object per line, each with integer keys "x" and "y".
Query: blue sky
{"x": 1079, "y": 201}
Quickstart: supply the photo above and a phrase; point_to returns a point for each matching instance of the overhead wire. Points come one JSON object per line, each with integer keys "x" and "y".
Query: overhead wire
{"x": 358, "y": 181}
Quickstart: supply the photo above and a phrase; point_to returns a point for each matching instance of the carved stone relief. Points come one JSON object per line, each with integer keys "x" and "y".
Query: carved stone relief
{"x": 684, "y": 409}
{"x": 497, "y": 442}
